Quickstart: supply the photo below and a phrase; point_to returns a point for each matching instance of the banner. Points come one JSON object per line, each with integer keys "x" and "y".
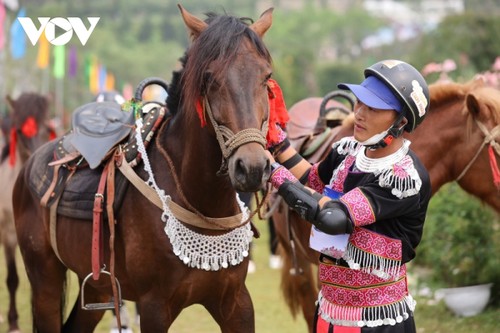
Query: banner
{"x": 18, "y": 37}
{"x": 42, "y": 59}
{"x": 59, "y": 61}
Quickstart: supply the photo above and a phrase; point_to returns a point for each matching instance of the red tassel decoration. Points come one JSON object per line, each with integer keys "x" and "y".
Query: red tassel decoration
{"x": 12, "y": 147}
{"x": 278, "y": 114}
{"x": 29, "y": 128}
{"x": 201, "y": 112}
{"x": 494, "y": 167}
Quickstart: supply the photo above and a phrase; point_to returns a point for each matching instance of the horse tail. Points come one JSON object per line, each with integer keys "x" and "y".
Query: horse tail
{"x": 299, "y": 289}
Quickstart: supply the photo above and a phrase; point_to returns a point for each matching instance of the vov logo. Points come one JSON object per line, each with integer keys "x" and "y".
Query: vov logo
{"x": 66, "y": 25}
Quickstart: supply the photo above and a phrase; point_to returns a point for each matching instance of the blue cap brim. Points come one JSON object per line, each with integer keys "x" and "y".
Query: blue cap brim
{"x": 374, "y": 93}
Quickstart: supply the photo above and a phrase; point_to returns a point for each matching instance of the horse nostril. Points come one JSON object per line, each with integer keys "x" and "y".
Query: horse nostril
{"x": 241, "y": 169}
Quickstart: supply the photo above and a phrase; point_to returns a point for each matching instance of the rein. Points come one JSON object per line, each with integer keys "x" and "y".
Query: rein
{"x": 494, "y": 146}
{"x": 229, "y": 142}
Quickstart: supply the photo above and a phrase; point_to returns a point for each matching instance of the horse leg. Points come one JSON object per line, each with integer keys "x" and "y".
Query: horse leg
{"x": 85, "y": 321}
{"x": 153, "y": 319}
{"x": 46, "y": 274}
{"x": 235, "y": 314}
{"x": 12, "y": 280}
{"x": 9, "y": 240}
{"x": 48, "y": 297}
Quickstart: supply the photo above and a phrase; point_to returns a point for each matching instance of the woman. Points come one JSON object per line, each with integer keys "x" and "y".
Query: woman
{"x": 367, "y": 202}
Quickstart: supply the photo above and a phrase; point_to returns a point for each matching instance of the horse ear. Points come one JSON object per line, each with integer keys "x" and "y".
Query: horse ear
{"x": 263, "y": 23}
{"x": 472, "y": 103}
{"x": 194, "y": 24}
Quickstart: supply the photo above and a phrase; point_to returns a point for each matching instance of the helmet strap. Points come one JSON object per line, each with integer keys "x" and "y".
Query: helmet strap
{"x": 386, "y": 137}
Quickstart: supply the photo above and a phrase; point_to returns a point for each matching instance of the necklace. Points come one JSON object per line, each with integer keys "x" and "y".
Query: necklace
{"x": 367, "y": 164}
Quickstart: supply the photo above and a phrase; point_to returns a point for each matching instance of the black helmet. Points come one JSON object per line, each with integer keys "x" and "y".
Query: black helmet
{"x": 109, "y": 96}
{"x": 408, "y": 85}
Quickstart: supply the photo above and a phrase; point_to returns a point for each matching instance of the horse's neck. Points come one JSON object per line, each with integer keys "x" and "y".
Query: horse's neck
{"x": 443, "y": 145}
{"x": 196, "y": 158}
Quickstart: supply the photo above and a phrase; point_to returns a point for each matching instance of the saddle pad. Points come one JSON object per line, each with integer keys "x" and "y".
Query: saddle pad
{"x": 76, "y": 194}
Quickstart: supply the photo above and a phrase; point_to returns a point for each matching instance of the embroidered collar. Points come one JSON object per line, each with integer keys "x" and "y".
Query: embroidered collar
{"x": 366, "y": 164}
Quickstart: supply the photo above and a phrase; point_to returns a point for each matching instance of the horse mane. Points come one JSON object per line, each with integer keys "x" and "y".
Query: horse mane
{"x": 448, "y": 92}
{"x": 216, "y": 46}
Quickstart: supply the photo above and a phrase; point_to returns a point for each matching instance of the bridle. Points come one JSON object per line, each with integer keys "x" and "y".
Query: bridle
{"x": 494, "y": 146}
{"x": 229, "y": 141}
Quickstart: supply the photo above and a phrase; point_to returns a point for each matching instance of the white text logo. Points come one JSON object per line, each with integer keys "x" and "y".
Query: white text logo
{"x": 66, "y": 25}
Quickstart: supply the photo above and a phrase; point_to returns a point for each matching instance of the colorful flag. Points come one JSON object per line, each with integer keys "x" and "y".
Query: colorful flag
{"x": 42, "y": 59}
{"x": 94, "y": 76}
{"x": 102, "y": 77}
{"x": 2, "y": 23}
{"x": 59, "y": 61}
{"x": 73, "y": 62}
{"x": 18, "y": 37}
{"x": 110, "y": 82}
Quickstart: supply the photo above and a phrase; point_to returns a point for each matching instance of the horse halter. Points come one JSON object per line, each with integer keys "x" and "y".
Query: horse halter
{"x": 229, "y": 141}
{"x": 489, "y": 139}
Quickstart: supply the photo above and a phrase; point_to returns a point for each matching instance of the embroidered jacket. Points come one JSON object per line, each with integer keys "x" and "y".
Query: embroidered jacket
{"x": 387, "y": 202}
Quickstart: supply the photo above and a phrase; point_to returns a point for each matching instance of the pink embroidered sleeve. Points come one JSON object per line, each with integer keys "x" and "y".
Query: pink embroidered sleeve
{"x": 359, "y": 207}
{"x": 280, "y": 175}
{"x": 314, "y": 181}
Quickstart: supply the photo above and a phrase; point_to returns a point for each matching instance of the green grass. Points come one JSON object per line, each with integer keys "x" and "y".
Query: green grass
{"x": 271, "y": 313}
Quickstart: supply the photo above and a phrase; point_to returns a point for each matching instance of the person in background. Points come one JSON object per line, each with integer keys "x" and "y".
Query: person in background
{"x": 367, "y": 202}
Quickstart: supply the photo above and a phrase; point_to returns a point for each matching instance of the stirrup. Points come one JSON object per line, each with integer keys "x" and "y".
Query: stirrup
{"x": 100, "y": 306}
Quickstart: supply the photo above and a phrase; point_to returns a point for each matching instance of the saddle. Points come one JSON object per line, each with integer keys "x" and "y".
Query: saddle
{"x": 70, "y": 168}
{"x": 313, "y": 126}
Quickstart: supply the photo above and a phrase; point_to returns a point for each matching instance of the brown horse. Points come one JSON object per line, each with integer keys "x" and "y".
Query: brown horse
{"x": 24, "y": 128}
{"x": 164, "y": 264}
{"x": 456, "y": 142}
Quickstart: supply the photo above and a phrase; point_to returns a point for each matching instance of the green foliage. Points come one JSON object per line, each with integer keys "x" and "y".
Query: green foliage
{"x": 332, "y": 74}
{"x": 470, "y": 39}
{"x": 460, "y": 243}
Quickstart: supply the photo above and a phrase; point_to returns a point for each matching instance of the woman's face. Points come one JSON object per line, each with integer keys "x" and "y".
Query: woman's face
{"x": 369, "y": 121}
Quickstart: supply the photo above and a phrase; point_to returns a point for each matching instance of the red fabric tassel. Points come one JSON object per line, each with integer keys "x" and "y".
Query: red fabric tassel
{"x": 200, "y": 111}
{"x": 52, "y": 134}
{"x": 494, "y": 167}
{"x": 12, "y": 147}
{"x": 278, "y": 113}
{"x": 29, "y": 128}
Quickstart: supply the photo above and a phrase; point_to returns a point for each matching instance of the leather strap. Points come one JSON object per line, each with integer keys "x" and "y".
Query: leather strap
{"x": 110, "y": 198}
{"x": 97, "y": 240}
{"x": 49, "y": 193}
{"x": 181, "y": 213}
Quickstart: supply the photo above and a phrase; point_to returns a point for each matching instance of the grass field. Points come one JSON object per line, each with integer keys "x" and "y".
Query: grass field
{"x": 271, "y": 313}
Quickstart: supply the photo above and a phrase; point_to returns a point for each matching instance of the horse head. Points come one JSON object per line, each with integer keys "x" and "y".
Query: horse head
{"x": 225, "y": 80}
{"x": 28, "y": 124}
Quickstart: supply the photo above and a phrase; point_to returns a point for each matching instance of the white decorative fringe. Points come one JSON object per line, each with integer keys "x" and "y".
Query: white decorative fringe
{"x": 372, "y": 264}
{"x": 210, "y": 253}
{"x": 390, "y": 314}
